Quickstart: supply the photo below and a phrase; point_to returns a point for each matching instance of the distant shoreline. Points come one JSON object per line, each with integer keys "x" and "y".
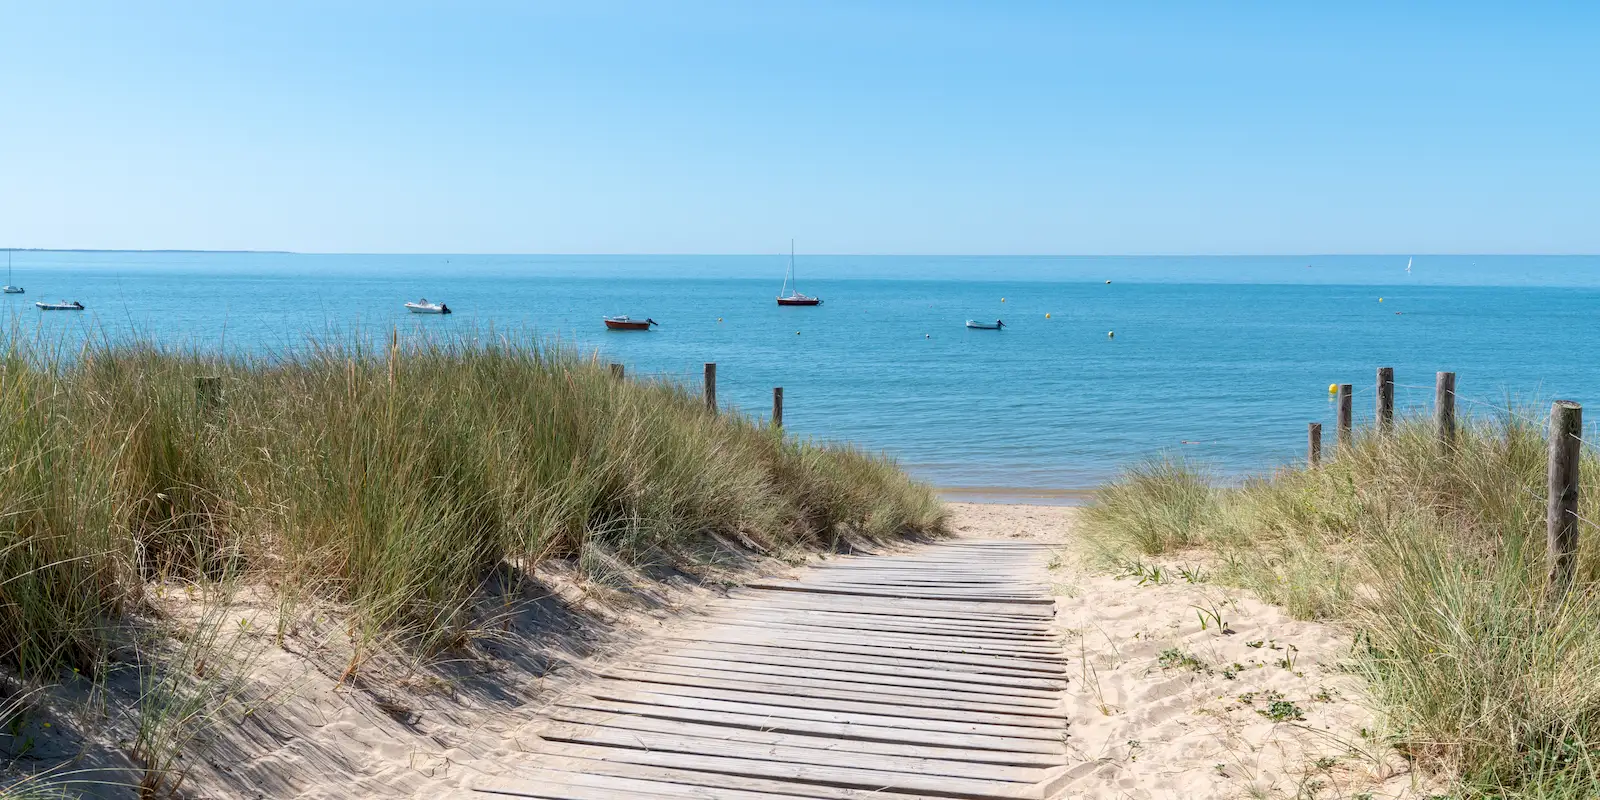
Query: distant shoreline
{"x": 1010, "y": 495}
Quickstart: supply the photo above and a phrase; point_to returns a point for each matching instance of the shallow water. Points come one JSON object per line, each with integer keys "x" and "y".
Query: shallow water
{"x": 1222, "y": 359}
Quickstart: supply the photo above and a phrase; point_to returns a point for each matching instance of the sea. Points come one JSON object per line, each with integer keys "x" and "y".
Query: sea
{"x": 1103, "y": 361}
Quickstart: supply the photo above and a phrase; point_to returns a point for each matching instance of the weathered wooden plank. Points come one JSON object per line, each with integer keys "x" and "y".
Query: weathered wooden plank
{"x": 802, "y": 689}
{"x": 862, "y": 679}
{"x": 895, "y": 606}
{"x": 737, "y": 695}
{"x": 734, "y": 654}
{"x": 556, "y": 767}
{"x": 732, "y": 641}
{"x": 1006, "y": 663}
{"x": 914, "y": 639}
{"x": 824, "y": 775}
{"x": 678, "y": 742}
{"x": 723, "y": 732}
{"x": 814, "y": 727}
{"x": 670, "y": 673}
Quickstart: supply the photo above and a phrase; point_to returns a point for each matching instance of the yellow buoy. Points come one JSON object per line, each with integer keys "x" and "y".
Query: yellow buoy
{"x": 1002, "y": 299}
{"x": 1333, "y": 388}
{"x": 1380, "y": 299}
{"x": 1047, "y": 315}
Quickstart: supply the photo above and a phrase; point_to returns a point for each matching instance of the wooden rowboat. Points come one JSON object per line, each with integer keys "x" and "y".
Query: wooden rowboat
{"x": 629, "y": 324}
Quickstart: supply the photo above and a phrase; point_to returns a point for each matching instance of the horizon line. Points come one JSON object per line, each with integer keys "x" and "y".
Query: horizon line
{"x": 828, "y": 255}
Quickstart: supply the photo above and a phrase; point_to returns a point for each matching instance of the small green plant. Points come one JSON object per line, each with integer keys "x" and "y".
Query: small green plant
{"x": 1211, "y": 616}
{"x": 1145, "y": 574}
{"x": 1257, "y": 643}
{"x": 1174, "y": 658}
{"x": 1231, "y": 672}
{"x": 1281, "y": 711}
{"x": 1287, "y": 662}
{"x": 1193, "y": 574}
{"x": 1325, "y": 763}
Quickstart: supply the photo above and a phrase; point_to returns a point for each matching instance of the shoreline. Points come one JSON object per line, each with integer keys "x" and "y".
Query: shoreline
{"x": 1011, "y": 495}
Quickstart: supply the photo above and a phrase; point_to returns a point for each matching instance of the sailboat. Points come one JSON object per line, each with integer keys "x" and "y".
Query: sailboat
{"x": 9, "y": 289}
{"x": 1409, "y": 259}
{"x": 793, "y": 297}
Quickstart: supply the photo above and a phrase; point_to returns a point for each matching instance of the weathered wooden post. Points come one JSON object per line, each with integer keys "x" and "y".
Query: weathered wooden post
{"x": 1385, "y": 399}
{"x": 711, "y": 386}
{"x": 1444, "y": 410}
{"x": 1345, "y": 390}
{"x": 207, "y": 393}
{"x": 777, "y": 406}
{"x": 616, "y": 371}
{"x": 1314, "y": 444}
{"x": 1561, "y": 514}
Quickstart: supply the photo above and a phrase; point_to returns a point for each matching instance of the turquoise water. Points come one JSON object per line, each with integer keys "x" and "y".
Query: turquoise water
{"x": 1223, "y": 359}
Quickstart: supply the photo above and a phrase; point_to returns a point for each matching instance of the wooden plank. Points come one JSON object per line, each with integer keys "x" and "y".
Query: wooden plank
{"x": 557, "y": 766}
{"x": 895, "y": 606}
{"x": 672, "y": 673}
{"x": 1019, "y": 634}
{"x": 638, "y": 694}
{"x": 919, "y": 609}
{"x": 824, "y": 775}
{"x": 721, "y": 732}
{"x": 802, "y": 689}
{"x": 607, "y": 736}
{"x": 734, "y": 641}
{"x": 859, "y": 678}
{"x": 813, "y": 727}
{"x": 736, "y": 654}
{"x": 893, "y": 640}
{"x": 988, "y": 716}
{"x": 889, "y": 648}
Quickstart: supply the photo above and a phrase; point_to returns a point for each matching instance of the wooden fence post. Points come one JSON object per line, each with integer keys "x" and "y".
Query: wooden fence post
{"x": 1345, "y": 390}
{"x": 616, "y": 371}
{"x": 1444, "y": 410}
{"x": 1561, "y": 515}
{"x": 711, "y": 386}
{"x": 1385, "y": 399}
{"x": 777, "y": 406}
{"x": 1314, "y": 444}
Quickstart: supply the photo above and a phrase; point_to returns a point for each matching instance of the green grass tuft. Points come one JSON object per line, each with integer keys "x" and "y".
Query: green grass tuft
{"x": 392, "y": 480}
{"x": 1436, "y": 561}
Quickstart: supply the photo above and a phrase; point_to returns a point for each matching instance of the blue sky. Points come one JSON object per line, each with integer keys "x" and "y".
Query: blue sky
{"x": 854, "y": 127}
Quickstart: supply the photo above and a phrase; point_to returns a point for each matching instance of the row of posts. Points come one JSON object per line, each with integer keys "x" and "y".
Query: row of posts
{"x": 1565, "y": 440}
{"x": 711, "y": 392}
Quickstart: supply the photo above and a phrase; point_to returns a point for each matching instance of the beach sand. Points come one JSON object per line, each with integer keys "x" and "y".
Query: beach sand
{"x": 1166, "y": 708}
{"x": 1161, "y": 705}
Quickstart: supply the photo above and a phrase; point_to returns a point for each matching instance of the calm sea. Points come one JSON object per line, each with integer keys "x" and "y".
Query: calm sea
{"x": 1224, "y": 359}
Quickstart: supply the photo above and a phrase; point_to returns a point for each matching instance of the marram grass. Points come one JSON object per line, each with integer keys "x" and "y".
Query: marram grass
{"x": 393, "y": 480}
{"x": 1436, "y": 561}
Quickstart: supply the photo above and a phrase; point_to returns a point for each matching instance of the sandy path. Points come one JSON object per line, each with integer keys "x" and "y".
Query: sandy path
{"x": 1168, "y": 703}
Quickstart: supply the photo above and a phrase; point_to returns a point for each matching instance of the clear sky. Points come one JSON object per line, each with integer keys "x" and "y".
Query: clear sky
{"x": 873, "y": 126}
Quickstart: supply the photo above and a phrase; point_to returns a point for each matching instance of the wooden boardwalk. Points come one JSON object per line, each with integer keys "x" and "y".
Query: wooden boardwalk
{"x": 931, "y": 674}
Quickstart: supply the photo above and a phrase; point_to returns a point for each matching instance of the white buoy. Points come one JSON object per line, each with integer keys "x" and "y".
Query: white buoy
{"x": 1111, "y": 334}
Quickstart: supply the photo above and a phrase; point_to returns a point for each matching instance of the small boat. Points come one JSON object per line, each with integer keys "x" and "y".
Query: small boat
{"x": 424, "y": 307}
{"x": 986, "y": 326}
{"x": 793, "y": 297}
{"x": 9, "y": 289}
{"x": 625, "y": 323}
{"x": 62, "y": 306}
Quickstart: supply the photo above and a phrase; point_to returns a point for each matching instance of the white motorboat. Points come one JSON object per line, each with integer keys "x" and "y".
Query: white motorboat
{"x": 60, "y": 306}
{"x": 422, "y": 306}
{"x": 986, "y": 326}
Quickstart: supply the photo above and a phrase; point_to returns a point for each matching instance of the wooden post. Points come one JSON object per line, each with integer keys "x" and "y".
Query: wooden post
{"x": 1561, "y": 514}
{"x": 1385, "y": 399}
{"x": 1345, "y": 390}
{"x": 1314, "y": 444}
{"x": 207, "y": 393}
{"x": 616, "y": 371}
{"x": 1444, "y": 410}
{"x": 711, "y": 386}
{"x": 777, "y": 406}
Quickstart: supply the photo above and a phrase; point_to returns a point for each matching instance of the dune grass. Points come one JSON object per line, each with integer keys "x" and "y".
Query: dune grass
{"x": 391, "y": 480}
{"x": 1436, "y": 561}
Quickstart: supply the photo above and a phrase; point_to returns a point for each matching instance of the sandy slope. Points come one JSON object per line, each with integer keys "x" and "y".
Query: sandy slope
{"x": 1164, "y": 708}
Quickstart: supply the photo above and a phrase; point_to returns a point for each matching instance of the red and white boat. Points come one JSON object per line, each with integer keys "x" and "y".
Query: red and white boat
{"x": 793, "y": 297}
{"x": 625, "y": 323}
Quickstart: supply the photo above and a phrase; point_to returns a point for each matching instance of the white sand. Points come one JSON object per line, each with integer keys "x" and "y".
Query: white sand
{"x": 1196, "y": 728}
